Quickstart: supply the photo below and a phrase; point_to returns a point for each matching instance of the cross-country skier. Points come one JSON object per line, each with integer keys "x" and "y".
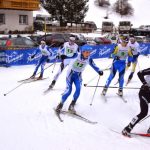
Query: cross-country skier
{"x": 46, "y": 55}
{"x": 68, "y": 52}
{"x": 74, "y": 75}
{"x": 135, "y": 48}
{"x": 144, "y": 96}
{"x": 120, "y": 55}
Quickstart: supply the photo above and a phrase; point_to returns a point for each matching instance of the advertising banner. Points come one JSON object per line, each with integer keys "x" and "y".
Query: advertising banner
{"x": 23, "y": 56}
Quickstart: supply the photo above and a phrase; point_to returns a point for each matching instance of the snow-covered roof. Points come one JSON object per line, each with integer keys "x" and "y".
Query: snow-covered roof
{"x": 42, "y": 12}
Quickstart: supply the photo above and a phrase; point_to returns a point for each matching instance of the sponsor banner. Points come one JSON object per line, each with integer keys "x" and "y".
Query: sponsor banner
{"x": 23, "y": 56}
{"x": 145, "y": 48}
{"x": 3, "y": 58}
{"x": 20, "y": 56}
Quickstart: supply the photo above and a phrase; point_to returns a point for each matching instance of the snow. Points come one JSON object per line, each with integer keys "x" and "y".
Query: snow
{"x": 141, "y": 10}
{"x": 41, "y": 12}
{"x": 28, "y": 121}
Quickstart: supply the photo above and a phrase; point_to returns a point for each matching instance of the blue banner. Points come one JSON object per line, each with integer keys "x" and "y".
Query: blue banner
{"x": 23, "y": 56}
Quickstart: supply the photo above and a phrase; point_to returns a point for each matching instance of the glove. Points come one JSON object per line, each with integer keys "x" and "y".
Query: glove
{"x": 32, "y": 56}
{"x": 100, "y": 73}
{"x": 48, "y": 60}
{"x": 117, "y": 58}
{"x": 63, "y": 57}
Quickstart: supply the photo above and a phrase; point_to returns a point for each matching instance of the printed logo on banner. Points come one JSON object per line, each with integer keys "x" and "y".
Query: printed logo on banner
{"x": 29, "y": 59}
{"x": 14, "y": 57}
{"x": 105, "y": 51}
{"x": 3, "y": 57}
{"x": 93, "y": 52}
{"x": 144, "y": 48}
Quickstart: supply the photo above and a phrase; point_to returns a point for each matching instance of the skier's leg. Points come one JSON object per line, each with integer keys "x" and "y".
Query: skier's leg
{"x": 111, "y": 76}
{"x": 140, "y": 116}
{"x": 36, "y": 68}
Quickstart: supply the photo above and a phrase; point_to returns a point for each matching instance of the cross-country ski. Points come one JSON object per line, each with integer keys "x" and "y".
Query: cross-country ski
{"x": 76, "y": 115}
{"x": 122, "y": 97}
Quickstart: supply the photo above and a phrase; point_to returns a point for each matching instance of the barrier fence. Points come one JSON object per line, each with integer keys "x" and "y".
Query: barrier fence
{"x": 23, "y": 56}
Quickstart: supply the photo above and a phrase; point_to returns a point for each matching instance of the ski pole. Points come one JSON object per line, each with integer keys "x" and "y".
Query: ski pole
{"x": 95, "y": 77}
{"x": 22, "y": 83}
{"x": 54, "y": 66}
{"x": 138, "y": 65}
{"x": 90, "y": 81}
{"x": 14, "y": 89}
{"x": 112, "y": 87}
{"x": 95, "y": 91}
{"x": 46, "y": 68}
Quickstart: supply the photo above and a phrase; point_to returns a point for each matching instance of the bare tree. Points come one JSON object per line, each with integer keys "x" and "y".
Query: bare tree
{"x": 123, "y": 8}
{"x": 102, "y": 3}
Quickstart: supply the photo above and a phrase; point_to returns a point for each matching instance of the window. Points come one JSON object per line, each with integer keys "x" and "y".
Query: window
{"x": 23, "y": 19}
{"x": 2, "y": 19}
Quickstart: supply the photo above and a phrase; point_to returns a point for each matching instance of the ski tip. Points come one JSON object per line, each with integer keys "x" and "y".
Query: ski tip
{"x": 58, "y": 115}
{"x": 141, "y": 134}
{"x": 95, "y": 123}
{"x": 47, "y": 90}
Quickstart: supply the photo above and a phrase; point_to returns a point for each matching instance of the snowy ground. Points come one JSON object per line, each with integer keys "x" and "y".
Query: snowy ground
{"x": 28, "y": 121}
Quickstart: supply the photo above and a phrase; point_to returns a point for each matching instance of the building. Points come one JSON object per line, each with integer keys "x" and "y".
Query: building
{"x": 17, "y": 14}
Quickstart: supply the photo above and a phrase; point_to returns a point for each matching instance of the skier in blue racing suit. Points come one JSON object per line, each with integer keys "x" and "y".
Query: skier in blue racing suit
{"x": 74, "y": 75}
{"x": 120, "y": 55}
{"x": 47, "y": 54}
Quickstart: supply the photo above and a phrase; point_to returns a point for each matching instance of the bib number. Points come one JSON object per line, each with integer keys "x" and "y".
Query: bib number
{"x": 69, "y": 51}
{"x": 78, "y": 65}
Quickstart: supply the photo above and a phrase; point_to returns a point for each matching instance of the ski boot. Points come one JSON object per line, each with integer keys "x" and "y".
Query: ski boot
{"x": 71, "y": 107}
{"x": 120, "y": 92}
{"x": 59, "y": 107}
{"x": 40, "y": 77}
{"x": 104, "y": 91}
{"x": 33, "y": 76}
{"x": 52, "y": 84}
{"x": 126, "y": 131}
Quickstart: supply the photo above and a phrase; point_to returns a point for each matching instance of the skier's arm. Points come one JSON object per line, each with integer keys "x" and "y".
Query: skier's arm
{"x": 36, "y": 51}
{"x": 142, "y": 73}
{"x": 114, "y": 54}
{"x": 51, "y": 55}
{"x": 93, "y": 65}
{"x": 62, "y": 57}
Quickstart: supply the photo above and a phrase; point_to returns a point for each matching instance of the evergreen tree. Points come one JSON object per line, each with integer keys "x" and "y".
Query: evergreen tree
{"x": 67, "y": 10}
{"x": 123, "y": 8}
